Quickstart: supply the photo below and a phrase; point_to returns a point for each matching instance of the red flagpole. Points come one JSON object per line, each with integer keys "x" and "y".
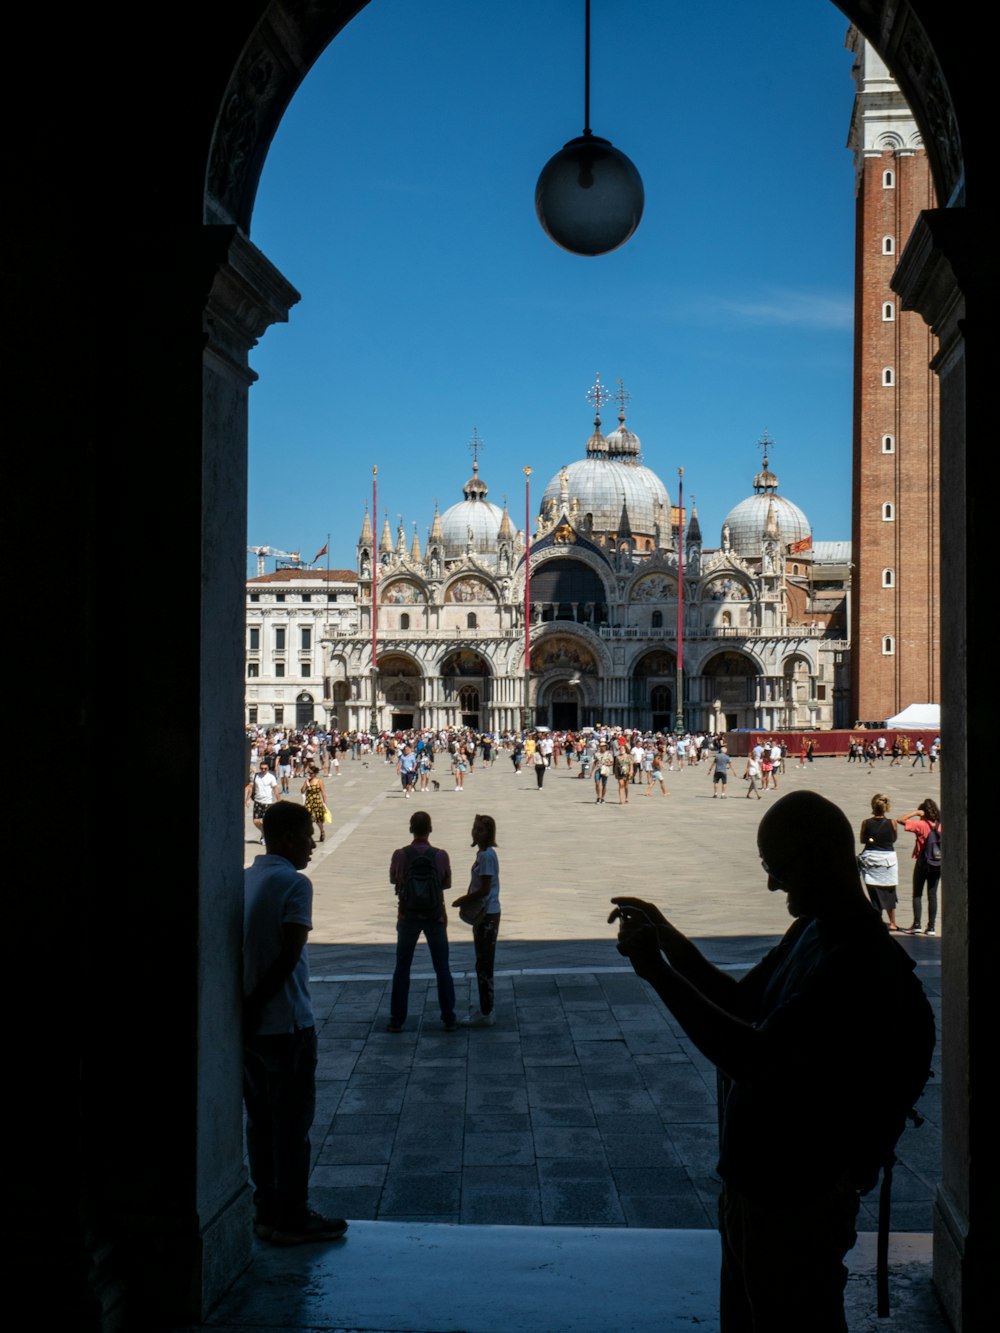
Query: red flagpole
{"x": 679, "y": 721}
{"x": 374, "y": 717}
{"x": 527, "y": 591}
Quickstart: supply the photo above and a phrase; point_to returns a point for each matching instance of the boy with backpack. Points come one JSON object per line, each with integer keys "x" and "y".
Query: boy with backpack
{"x": 421, "y": 875}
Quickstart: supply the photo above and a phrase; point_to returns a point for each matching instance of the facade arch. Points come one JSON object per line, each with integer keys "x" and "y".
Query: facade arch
{"x": 576, "y": 587}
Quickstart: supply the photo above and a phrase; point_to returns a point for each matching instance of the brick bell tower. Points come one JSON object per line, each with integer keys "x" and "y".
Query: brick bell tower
{"x": 895, "y": 639}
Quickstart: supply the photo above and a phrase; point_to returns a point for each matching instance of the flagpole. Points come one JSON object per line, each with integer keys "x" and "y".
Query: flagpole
{"x": 679, "y": 685}
{"x": 374, "y": 717}
{"x": 525, "y": 712}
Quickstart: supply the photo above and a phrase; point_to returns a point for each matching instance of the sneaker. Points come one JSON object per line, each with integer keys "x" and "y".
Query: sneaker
{"x": 451, "y": 1025}
{"x": 393, "y": 1027}
{"x": 930, "y": 931}
{"x": 263, "y": 1229}
{"x": 314, "y": 1227}
{"x": 477, "y": 1019}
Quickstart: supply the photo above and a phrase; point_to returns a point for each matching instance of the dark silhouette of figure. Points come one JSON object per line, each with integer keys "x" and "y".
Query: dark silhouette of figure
{"x": 814, "y": 1097}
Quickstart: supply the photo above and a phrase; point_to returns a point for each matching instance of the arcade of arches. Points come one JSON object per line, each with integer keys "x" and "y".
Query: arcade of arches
{"x": 158, "y": 262}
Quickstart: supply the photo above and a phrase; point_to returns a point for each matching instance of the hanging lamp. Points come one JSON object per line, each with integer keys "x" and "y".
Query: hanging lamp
{"x": 589, "y": 196}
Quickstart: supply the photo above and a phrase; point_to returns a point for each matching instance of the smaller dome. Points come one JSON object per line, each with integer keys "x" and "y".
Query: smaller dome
{"x": 472, "y": 519}
{"x": 623, "y": 443}
{"x": 760, "y": 512}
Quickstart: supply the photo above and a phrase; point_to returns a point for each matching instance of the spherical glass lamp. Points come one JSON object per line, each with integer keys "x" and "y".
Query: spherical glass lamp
{"x": 589, "y": 197}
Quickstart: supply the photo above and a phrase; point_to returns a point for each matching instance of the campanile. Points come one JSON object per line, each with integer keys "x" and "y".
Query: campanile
{"x": 895, "y": 652}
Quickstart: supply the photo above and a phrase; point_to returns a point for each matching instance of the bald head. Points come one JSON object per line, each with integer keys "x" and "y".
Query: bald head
{"x": 807, "y": 846}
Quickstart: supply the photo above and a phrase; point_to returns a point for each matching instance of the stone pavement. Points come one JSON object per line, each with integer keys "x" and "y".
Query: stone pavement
{"x": 585, "y": 1105}
{"x": 584, "y": 1121}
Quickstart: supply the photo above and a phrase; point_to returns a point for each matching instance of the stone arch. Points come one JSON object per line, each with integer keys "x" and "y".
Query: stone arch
{"x": 211, "y": 286}
{"x": 570, "y": 588}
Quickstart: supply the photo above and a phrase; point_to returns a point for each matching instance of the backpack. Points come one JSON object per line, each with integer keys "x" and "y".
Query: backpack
{"x": 421, "y": 894}
{"x": 913, "y": 1048}
{"x": 931, "y": 854}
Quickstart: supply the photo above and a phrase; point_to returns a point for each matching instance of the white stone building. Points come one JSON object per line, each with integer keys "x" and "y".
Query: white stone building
{"x": 764, "y": 627}
{"x": 289, "y": 614}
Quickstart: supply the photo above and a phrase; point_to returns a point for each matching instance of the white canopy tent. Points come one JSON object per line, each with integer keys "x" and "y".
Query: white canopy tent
{"x": 917, "y": 717}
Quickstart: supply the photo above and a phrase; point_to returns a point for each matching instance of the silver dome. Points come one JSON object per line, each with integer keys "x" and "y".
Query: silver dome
{"x": 473, "y": 515}
{"x": 748, "y": 519}
{"x": 600, "y": 484}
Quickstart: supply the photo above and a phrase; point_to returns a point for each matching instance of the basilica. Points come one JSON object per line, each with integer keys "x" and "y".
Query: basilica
{"x": 762, "y": 633}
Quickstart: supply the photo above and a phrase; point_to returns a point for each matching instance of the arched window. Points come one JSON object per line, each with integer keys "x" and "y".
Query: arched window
{"x": 888, "y": 646}
{"x": 888, "y": 512}
{"x": 888, "y": 312}
{"x": 404, "y": 621}
{"x": 888, "y": 180}
{"x": 888, "y": 578}
{"x": 470, "y": 620}
{"x": 888, "y": 444}
{"x": 657, "y": 621}
{"x": 888, "y": 245}
{"x": 888, "y": 377}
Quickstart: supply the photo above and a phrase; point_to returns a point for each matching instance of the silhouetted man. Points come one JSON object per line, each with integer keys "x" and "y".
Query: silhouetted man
{"x": 807, "y": 1038}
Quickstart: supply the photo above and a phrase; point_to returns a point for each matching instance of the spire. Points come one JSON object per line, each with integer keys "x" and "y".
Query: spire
{"x": 415, "y": 548}
{"x": 694, "y": 527}
{"x": 436, "y": 534}
{"x": 597, "y": 445}
{"x": 623, "y": 443}
{"x": 475, "y": 488}
{"x": 765, "y": 482}
{"x": 385, "y": 545}
{"x": 366, "y": 531}
{"x": 401, "y": 538}
{"x": 624, "y": 523}
{"x": 506, "y": 532}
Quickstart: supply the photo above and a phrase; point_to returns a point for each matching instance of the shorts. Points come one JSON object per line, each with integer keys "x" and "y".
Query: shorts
{"x": 720, "y": 777}
{"x": 656, "y": 774}
{"x": 408, "y": 779}
{"x": 260, "y": 809}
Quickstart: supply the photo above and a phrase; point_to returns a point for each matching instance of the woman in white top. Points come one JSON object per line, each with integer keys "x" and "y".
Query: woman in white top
{"x": 484, "y": 886}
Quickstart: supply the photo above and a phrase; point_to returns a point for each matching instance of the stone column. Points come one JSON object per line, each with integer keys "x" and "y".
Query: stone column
{"x": 164, "y": 1193}
{"x": 950, "y": 255}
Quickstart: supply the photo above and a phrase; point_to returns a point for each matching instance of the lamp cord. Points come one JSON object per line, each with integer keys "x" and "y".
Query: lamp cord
{"x": 586, "y": 75}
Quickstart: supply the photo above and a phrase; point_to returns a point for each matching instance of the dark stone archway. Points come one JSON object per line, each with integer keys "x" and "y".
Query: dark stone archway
{"x": 134, "y": 298}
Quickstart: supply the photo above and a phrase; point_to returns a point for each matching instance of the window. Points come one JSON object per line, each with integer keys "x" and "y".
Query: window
{"x": 888, "y": 312}
{"x": 795, "y": 569}
{"x": 307, "y": 596}
{"x": 305, "y": 668}
{"x": 279, "y": 597}
{"x": 279, "y": 669}
{"x": 279, "y": 713}
{"x": 888, "y": 245}
{"x": 888, "y": 444}
{"x": 254, "y": 639}
{"x": 657, "y": 620}
{"x": 252, "y": 714}
{"x": 821, "y": 693}
{"x": 888, "y": 513}
{"x": 404, "y": 621}
{"x": 253, "y": 670}
{"x": 888, "y": 180}
{"x": 305, "y": 639}
{"x": 888, "y": 578}
{"x": 888, "y": 377}
{"x": 888, "y": 646}
{"x": 255, "y": 597}
{"x": 331, "y": 596}
{"x": 470, "y": 620}
{"x": 279, "y": 639}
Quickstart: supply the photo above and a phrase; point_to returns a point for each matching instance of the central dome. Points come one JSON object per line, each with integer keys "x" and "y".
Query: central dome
{"x": 610, "y": 476}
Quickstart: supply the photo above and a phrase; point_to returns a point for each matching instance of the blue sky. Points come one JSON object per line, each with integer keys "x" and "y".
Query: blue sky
{"x": 398, "y": 197}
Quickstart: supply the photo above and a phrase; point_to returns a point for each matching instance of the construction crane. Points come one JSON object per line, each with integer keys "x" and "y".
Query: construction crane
{"x": 262, "y": 552}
